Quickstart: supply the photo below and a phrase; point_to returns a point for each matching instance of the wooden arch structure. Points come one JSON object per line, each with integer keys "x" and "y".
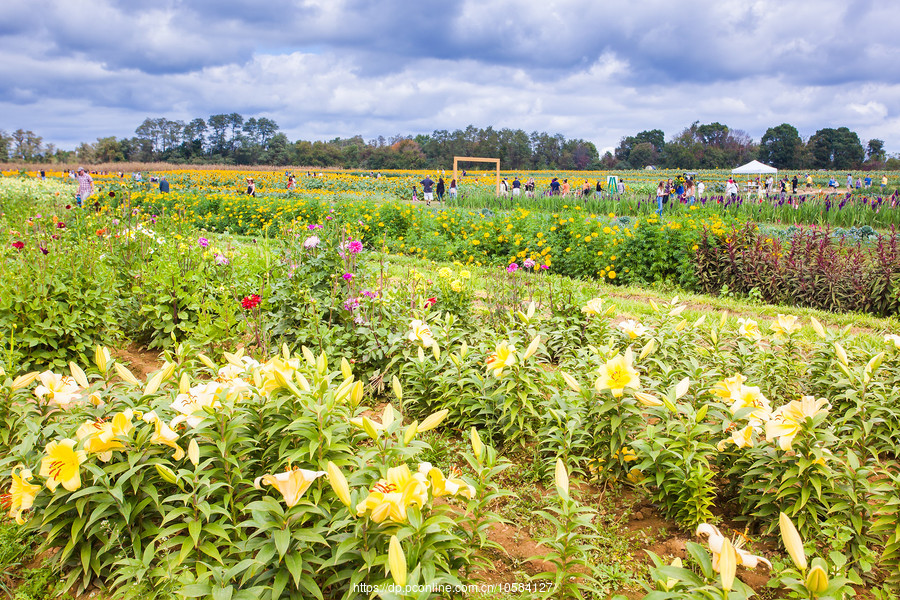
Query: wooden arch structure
{"x": 458, "y": 159}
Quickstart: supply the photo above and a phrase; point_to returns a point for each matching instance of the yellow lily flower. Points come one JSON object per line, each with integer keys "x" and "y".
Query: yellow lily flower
{"x": 190, "y": 406}
{"x": 726, "y": 388}
{"x": 716, "y": 544}
{"x": 61, "y": 390}
{"x": 787, "y": 420}
{"x": 292, "y": 484}
{"x": 633, "y": 329}
{"x": 61, "y": 465}
{"x": 593, "y": 307}
{"x": 503, "y": 357}
{"x": 749, "y": 329}
{"x": 441, "y": 486}
{"x": 618, "y": 374}
{"x": 164, "y": 434}
{"x": 101, "y": 437}
{"x": 420, "y": 332}
{"x": 389, "y": 498}
{"x": 785, "y": 325}
{"x": 747, "y": 396}
{"x": 22, "y": 493}
{"x": 742, "y": 438}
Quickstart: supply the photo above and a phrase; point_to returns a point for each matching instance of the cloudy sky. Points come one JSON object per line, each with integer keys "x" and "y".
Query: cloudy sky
{"x": 74, "y": 70}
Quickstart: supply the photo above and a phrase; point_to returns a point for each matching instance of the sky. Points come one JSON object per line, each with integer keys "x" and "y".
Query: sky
{"x": 75, "y": 70}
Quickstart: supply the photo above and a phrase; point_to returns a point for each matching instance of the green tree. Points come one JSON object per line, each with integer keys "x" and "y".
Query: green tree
{"x": 836, "y": 148}
{"x": 781, "y": 147}
{"x": 875, "y": 151}
{"x": 108, "y": 150}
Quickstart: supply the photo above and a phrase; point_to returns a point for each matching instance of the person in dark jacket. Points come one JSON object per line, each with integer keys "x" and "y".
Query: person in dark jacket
{"x": 439, "y": 190}
{"x": 163, "y": 185}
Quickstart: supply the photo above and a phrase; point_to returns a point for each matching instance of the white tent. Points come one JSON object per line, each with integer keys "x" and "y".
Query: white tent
{"x": 754, "y": 167}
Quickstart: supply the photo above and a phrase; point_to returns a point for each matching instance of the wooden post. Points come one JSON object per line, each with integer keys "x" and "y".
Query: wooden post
{"x": 496, "y": 161}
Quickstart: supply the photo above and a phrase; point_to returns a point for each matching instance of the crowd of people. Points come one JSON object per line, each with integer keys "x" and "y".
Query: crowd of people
{"x": 516, "y": 188}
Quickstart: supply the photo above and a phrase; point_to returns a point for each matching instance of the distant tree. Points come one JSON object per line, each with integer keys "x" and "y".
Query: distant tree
{"x": 875, "y": 151}
{"x": 781, "y": 147}
{"x": 27, "y": 146}
{"x": 218, "y": 125}
{"x": 108, "y": 150}
{"x": 836, "y": 148}
{"x": 642, "y": 155}
{"x": 5, "y": 143}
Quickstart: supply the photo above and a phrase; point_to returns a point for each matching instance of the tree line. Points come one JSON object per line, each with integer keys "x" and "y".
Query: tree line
{"x": 234, "y": 139}
{"x": 716, "y": 146}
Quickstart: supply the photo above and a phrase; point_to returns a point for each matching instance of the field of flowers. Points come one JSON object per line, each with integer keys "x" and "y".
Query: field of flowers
{"x": 330, "y": 419}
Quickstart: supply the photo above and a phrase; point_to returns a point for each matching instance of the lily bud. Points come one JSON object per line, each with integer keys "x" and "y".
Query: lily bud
{"x": 817, "y": 327}
{"x": 681, "y": 325}
{"x": 308, "y": 355}
{"x": 356, "y": 395}
{"x": 463, "y": 349}
{"x": 346, "y": 370}
{"x": 166, "y": 473}
{"x": 792, "y": 541}
{"x": 699, "y": 321}
{"x": 532, "y": 347}
{"x": 816, "y": 580}
{"x": 154, "y": 383}
{"x": 206, "y": 361}
{"x": 682, "y": 387}
{"x": 23, "y": 380}
{"x": 410, "y": 433}
{"x": 477, "y": 446}
{"x": 647, "y": 399}
{"x": 194, "y": 452}
{"x": 677, "y": 310}
{"x": 78, "y": 375}
{"x": 433, "y": 420}
{"x": 338, "y": 483}
{"x": 369, "y": 428}
{"x": 421, "y": 355}
{"x": 561, "y": 478}
{"x": 841, "y": 354}
{"x": 397, "y": 561}
{"x": 322, "y": 363}
{"x": 398, "y": 389}
{"x": 647, "y": 350}
{"x": 184, "y": 386}
{"x": 727, "y": 564}
{"x": 387, "y": 417}
{"x": 570, "y": 381}
{"x": 101, "y": 358}
{"x": 723, "y": 319}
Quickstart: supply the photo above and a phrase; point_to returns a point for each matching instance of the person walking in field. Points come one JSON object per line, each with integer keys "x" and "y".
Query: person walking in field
{"x": 529, "y": 187}
{"x": 660, "y": 194}
{"x": 453, "y": 189}
{"x": 251, "y": 187}
{"x": 440, "y": 189}
{"x": 883, "y": 182}
{"x": 415, "y": 193}
{"x": 554, "y": 187}
{"x": 565, "y": 187}
{"x": 689, "y": 192}
{"x": 427, "y": 194}
{"x": 86, "y": 186}
{"x": 516, "y": 187}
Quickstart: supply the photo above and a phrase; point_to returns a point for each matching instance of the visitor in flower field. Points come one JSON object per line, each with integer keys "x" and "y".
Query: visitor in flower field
{"x": 868, "y": 181}
{"x": 440, "y": 189}
{"x": 516, "y": 187}
{"x": 883, "y": 182}
{"x": 599, "y": 189}
{"x": 163, "y": 185}
{"x": 832, "y": 183}
{"x": 679, "y": 190}
{"x": 415, "y": 193}
{"x": 660, "y": 193}
{"x": 291, "y": 181}
{"x": 858, "y": 183}
{"x": 770, "y": 184}
{"x": 427, "y": 192}
{"x": 690, "y": 192}
{"x": 504, "y": 188}
{"x": 554, "y": 187}
{"x": 453, "y": 188}
{"x": 701, "y": 187}
{"x": 849, "y": 181}
{"x": 586, "y": 189}
{"x": 794, "y": 183}
{"x": 529, "y": 187}
{"x": 85, "y": 186}
{"x": 251, "y": 187}
{"x": 731, "y": 189}
{"x": 565, "y": 187}
{"x": 667, "y": 191}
